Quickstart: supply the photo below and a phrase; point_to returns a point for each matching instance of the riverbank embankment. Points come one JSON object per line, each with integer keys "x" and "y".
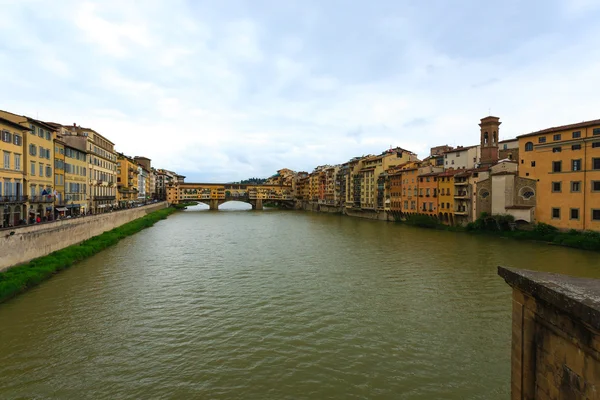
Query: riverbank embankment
{"x": 25, "y": 243}
{"x": 22, "y": 277}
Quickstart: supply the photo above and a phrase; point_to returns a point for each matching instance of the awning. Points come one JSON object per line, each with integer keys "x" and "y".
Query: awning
{"x": 61, "y": 209}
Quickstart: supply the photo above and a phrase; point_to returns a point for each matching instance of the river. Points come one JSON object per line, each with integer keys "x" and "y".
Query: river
{"x": 274, "y": 305}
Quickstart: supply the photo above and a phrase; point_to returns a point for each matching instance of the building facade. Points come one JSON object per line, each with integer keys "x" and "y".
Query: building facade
{"x": 13, "y": 200}
{"x": 38, "y": 164}
{"x": 565, "y": 162}
{"x": 59, "y": 177}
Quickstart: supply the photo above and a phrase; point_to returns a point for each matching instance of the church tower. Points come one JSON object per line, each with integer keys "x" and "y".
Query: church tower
{"x": 490, "y": 129}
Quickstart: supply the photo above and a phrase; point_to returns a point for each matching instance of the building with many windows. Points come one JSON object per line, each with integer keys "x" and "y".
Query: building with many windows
{"x": 38, "y": 164}
{"x": 76, "y": 178}
{"x": 59, "y": 177}
{"x": 12, "y": 194}
{"x": 127, "y": 181}
{"x": 565, "y": 162}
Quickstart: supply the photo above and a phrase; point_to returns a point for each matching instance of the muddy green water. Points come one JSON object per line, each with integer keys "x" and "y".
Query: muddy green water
{"x": 274, "y": 305}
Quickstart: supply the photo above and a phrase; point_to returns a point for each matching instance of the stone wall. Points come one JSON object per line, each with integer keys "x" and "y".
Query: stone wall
{"x": 21, "y": 244}
{"x": 555, "y": 336}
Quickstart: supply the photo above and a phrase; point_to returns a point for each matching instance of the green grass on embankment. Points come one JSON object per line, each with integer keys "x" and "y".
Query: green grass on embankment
{"x": 499, "y": 225}
{"x": 22, "y": 277}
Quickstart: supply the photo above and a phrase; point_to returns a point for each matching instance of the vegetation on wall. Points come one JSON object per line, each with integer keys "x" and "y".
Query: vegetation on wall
{"x": 502, "y": 224}
{"x": 20, "y": 278}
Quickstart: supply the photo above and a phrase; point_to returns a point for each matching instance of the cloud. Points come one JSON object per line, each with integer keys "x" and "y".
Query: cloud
{"x": 223, "y": 93}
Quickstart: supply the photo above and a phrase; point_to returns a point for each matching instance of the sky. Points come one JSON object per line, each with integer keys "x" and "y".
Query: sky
{"x": 225, "y": 90}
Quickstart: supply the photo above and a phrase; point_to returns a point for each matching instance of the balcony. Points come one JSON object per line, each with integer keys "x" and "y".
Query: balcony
{"x": 461, "y": 183}
{"x": 461, "y": 195}
{"x": 41, "y": 199}
{"x": 12, "y": 199}
{"x": 462, "y": 213}
{"x": 101, "y": 198}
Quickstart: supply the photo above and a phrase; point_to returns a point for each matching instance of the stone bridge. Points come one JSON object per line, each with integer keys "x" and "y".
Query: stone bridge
{"x": 215, "y": 194}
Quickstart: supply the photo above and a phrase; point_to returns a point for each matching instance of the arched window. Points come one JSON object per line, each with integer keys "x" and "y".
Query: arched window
{"x": 526, "y": 192}
{"x": 486, "y": 138}
{"x": 529, "y": 146}
{"x": 494, "y": 138}
{"x": 484, "y": 193}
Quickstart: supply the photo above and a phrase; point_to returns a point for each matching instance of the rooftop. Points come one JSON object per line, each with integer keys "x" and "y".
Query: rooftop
{"x": 583, "y": 124}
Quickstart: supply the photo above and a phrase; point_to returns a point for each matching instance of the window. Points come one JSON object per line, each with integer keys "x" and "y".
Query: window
{"x": 526, "y": 193}
{"x": 596, "y": 163}
{"x": 533, "y": 163}
{"x": 556, "y": 213}
{"x": 48, "y": 171}
{"x": 18, "y": 162}
{"x": 484, "y": 193}
{"x": 42, "y": 153}
{"x": 595, "y": 186}
{"x": 576, "y": 134}
{"x": 576, "y": 165}
{"x": 596, "y": 131}
{"x": 32, "y": 150}
{"x": 17, "y": 140}
{"x": 556, "y": 137}
{"x": 556, "y": 187}
{"x": 556, "y": 149}
{"x": 32, "y": 169}
{"x": 595, "y": 145}
{"x": 574, "y": 213}
{"x": 576, "y": 147}
{"x": 6, "y": 160}
{"x": 542, "y": 139}
{"x": 41, "y": 169}
{"x": 48, "y": 135}
{"x": 6, "y": 136}
{"x": 442, "y": 205}
{"x": 576, "y": 186}
{"x": 529, "y": 146}
{"x": 40, "y": 132}
{"x": 596, "y": 215}
{"x": 556, "y": 166}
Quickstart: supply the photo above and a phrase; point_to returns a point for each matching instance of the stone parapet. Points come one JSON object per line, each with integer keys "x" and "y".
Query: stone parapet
{"x": 24, "y": 243}
{"x": 555, "y": 350}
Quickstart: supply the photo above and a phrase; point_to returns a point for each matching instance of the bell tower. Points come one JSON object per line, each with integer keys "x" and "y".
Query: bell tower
{"x": 490, "y": 129}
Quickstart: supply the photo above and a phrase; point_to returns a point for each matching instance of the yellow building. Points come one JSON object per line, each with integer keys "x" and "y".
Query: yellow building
{"x": 76, "y": 179}
{"x": 12, "y": 194}
{"x": 446, "y": 196}
{"x": 59, "y": 177}
{"x": 38, "y": 165}
{"x": 127, "y": 181}
{"x": 565, "y": 161}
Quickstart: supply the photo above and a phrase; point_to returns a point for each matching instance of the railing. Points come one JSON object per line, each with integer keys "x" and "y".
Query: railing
{"x": 98, "y": 198}
{"x": 13, "y": 199}
{"x": 41, "y": 199}
{"x": 23, "y": 225}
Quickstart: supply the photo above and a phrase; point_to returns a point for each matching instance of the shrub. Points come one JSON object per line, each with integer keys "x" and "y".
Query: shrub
{"x": 424, "y": 221}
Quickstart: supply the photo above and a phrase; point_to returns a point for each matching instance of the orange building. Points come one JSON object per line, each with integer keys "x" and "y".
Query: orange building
{"x": 395, "y": 185}
{"x": 428, "y": 194}
{"x": 410, "y": 188}
{"x": 565, "y": 162}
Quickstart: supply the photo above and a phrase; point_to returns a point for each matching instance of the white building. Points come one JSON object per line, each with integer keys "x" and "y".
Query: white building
{"x": 462, "y": 157}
